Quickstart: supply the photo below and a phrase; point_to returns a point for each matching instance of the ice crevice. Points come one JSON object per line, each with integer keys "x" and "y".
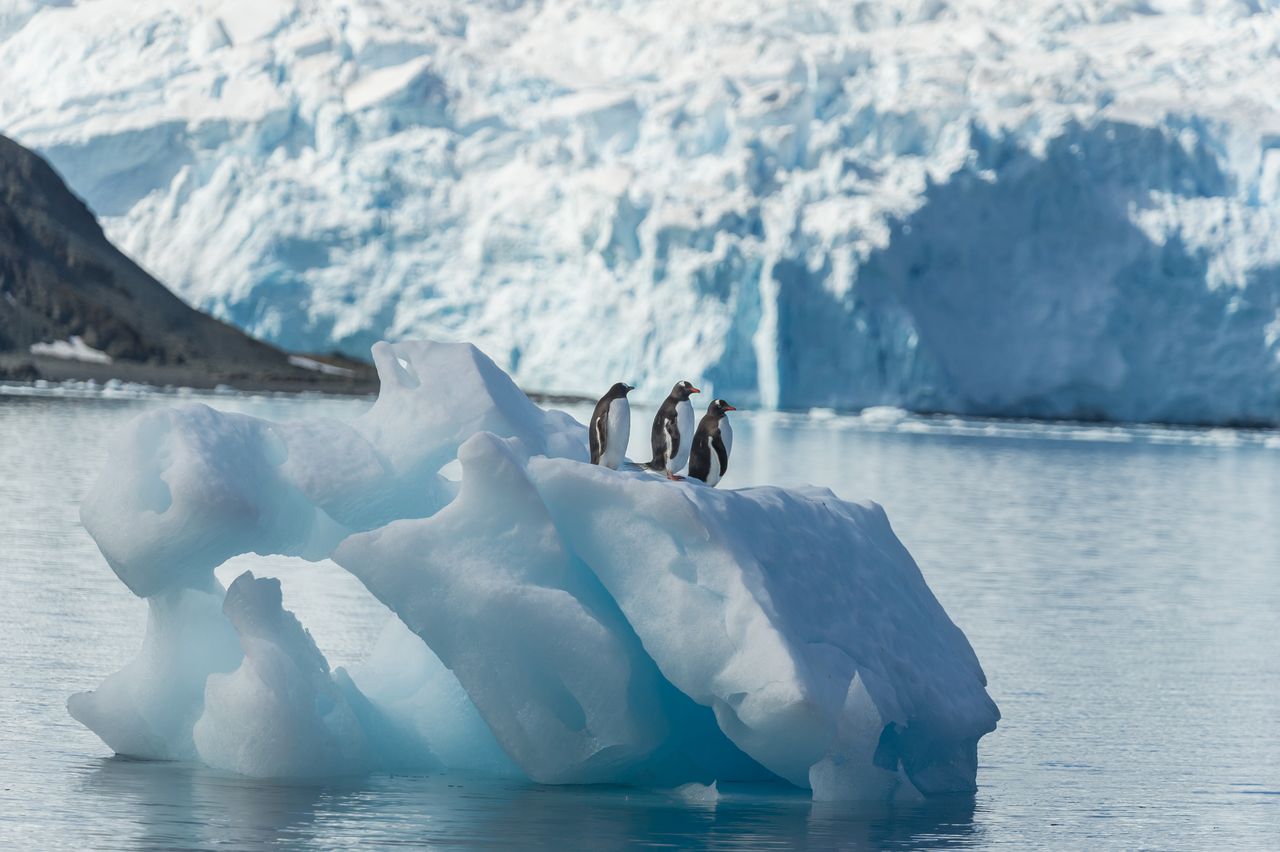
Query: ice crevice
{"x": 552, "y": 619}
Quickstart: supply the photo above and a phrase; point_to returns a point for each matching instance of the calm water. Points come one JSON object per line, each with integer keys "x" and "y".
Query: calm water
{"x": 1121, "y": 587}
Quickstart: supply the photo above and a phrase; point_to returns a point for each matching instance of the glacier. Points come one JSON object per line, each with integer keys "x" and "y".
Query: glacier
{"x": 1039, "y": 209}
{"x": 550, "y": 619}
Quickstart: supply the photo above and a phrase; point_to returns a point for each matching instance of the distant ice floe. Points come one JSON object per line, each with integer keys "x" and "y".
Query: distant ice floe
{"x": 559, "y": 620}
{"x": 884, "y": 420}
{"x": 74, "y": 349}
{"x": 699, "y": 794}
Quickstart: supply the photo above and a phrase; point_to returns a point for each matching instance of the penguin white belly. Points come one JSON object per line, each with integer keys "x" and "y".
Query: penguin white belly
{"x": 618, "y": 435}
{"x": 713, "y": 469}
{"x": 726, "y": 437}
{"x": 684, "y": 423}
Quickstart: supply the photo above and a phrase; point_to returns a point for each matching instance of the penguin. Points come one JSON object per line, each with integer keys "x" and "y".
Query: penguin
{"x": 709, "y": 457}
{"x": 672, "y": 430}
{"x": 611, "y": 426}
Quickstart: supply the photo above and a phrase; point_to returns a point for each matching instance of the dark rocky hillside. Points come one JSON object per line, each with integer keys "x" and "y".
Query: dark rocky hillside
{"x": 60, "y": 277}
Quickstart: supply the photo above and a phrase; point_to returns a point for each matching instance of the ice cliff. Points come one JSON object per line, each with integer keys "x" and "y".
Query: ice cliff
{"x": 1039, "y": 208}
{"x": 568, "y": 622}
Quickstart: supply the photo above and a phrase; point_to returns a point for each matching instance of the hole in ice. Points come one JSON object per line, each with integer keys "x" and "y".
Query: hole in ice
{"x": 342, "y": 616}
{"x": 886, "y": 756}
{"x": 405, "y": 371}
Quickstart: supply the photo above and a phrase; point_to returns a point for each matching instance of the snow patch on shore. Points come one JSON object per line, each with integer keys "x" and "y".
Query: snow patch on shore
{"x": 319, "y": 366}
{"x": 74, "y": 349}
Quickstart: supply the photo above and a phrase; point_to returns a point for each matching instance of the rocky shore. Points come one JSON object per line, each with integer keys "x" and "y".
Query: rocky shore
{"x": 73, "y": 307}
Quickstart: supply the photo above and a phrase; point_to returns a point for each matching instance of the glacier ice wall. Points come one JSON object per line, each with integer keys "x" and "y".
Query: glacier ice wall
{"x": 1040, "y": 208}
{"x": 568, "y": 622}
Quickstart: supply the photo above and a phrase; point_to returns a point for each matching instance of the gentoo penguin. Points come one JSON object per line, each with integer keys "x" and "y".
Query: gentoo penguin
{"x": 672, "y": 429}
{"x": 709, "y": 457}
{"x": 611, "y": 427}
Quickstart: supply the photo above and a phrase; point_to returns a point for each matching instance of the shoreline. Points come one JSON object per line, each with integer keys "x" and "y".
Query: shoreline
{"x": 878, "y": 421}
{"x": 362, "y": 379}
{"x": 44, "y": 376}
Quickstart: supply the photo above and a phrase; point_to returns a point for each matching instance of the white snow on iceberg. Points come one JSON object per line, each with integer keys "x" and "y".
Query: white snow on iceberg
{"x": 569, "y": 622}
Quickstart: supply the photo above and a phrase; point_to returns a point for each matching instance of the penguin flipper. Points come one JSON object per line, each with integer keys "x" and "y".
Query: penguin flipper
{"x": 597, "y": 438}
{"x": 673, "y": 438}
{"x": 597, "y": 430}
{"x": 722, "y": 453}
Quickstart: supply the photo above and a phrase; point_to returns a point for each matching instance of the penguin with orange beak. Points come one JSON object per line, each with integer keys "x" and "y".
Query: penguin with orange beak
{"x": 673, "y": 431}
{"x": 709, "y": 456}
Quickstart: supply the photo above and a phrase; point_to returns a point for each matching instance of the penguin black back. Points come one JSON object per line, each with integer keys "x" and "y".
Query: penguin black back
{"x": 665, "y": 439}
{"x": 709, "y": 456}
{"x": 602, "y": 425}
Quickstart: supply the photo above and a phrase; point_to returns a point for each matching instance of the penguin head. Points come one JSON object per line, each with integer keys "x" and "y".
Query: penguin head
{"x": 718, "y": 408}
{"x": 682, "y": 391}
{"x": 619, "y": 390}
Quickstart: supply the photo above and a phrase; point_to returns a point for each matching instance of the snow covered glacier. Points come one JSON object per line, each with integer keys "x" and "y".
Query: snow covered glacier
{"x": 1042, "y": 208}
{"x": 554, "y": 619}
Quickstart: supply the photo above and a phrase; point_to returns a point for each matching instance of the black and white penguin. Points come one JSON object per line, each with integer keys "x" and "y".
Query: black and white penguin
{"x": 709, "y": 457}
{"x": 672, "y": 431}
{"x": 611, "y": 427}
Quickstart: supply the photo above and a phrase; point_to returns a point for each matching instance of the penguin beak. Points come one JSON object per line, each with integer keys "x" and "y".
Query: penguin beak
{"x": 694, "y": 390}
{"x": 728, "y": 407}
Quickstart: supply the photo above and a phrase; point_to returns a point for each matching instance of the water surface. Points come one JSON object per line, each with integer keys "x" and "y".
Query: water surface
{"x": 1120, "y": 585}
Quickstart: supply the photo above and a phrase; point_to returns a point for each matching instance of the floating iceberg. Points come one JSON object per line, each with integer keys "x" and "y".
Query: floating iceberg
{"x": 569, "y": 622}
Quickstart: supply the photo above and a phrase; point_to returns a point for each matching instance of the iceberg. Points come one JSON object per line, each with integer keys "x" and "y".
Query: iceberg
{"x": 552, "y": 619}
{"x": 1023, "y": 209}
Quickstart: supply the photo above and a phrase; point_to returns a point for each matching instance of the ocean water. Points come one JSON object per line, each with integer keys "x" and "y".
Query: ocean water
{"x": 1120, "y": 585}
